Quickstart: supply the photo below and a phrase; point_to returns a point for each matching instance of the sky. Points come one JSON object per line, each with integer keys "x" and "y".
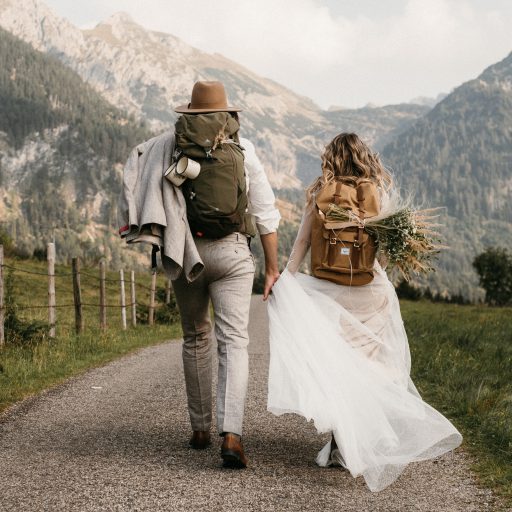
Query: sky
{"x": 338, "y": 52}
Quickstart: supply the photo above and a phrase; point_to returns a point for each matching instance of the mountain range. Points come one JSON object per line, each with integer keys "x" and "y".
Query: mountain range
{"x": 455, "y": 154}
{"x": 147, "y": 73}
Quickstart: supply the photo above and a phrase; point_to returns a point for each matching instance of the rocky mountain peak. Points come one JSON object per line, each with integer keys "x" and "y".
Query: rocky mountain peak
{"x": 123, "y": 31}
{"x": 501, "y": 72}
{"x": 34, "y": 22}
{"x": 119, "y": 18}
{"x": 119, "y": 29}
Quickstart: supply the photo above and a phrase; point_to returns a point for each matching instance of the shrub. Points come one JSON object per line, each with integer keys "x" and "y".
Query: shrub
{"x": 405, "y": 290}
{"x": 494, "y": 269}
{"x": 18, "y": 331}
{"x": 164, "y": 313}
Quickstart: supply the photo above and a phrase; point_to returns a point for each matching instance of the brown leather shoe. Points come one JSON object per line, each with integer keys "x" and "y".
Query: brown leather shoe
{"x": 232, "y": 452}
{"x": 199, "y": 440}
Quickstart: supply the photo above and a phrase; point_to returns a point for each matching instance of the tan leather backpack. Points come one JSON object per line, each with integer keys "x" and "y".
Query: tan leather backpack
{"x": 343, "y": 252}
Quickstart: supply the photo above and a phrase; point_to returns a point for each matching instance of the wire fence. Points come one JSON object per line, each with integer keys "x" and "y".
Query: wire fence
{"x": 57, "y": 287}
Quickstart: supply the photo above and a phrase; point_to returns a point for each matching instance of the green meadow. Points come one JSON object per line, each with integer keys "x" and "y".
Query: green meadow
{"x": 462, "y": 365}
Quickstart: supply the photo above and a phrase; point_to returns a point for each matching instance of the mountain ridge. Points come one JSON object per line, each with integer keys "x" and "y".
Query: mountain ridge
{"x": 464, "y": 147}
{"x": 151, "y": 72}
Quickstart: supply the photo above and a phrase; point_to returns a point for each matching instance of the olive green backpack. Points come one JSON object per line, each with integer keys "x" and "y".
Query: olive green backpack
{"x": 217, "y": 198}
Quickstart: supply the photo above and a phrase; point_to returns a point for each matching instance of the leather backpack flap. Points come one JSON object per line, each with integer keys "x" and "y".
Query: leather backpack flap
{"x": 347, "y": 250}
{"x": 347, "y": 196}
{"x": 339, "y": 192}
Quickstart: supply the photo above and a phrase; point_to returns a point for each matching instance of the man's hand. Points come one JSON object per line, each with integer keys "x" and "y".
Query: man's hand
{"x": 269, "y": 243}
{"x": 270, "y": 279}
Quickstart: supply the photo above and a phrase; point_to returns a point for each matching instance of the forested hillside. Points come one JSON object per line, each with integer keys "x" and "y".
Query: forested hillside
{"x": 460, "y": 156}
{"x": 61, "y": 148}
{"x": 37, "y": 92}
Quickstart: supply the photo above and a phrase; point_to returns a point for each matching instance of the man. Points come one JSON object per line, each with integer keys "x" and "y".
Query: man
{"x": 227, "y": 282}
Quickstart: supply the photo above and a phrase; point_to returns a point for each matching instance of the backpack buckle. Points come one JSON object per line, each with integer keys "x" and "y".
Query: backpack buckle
{"x": 332, "y": 240}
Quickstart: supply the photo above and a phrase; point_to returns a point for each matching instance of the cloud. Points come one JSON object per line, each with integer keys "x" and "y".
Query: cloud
{"x": 419, "y": 50}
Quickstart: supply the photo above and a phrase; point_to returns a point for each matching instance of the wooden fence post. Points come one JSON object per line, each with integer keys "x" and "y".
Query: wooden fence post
{"x": 151, "y": 314}
{"x": 52, "y": 317}
{"x": 77, "y": 295}
{"x": 133, "y": 298}
{"x": 103, "y": 297}
{"x": 123, "y": 299}
{"x": 168, "y": 292}
{"x": 2, "y": 305}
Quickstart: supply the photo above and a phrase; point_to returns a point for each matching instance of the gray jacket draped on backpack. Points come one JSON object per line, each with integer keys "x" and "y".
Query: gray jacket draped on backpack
{"x": 152, "y": 210}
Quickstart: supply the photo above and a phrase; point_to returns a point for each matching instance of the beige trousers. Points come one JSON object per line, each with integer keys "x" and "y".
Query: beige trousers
{"x": 227, "y": 282}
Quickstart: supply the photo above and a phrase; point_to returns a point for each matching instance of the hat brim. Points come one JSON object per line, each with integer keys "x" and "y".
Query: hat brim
{"x": 184, "y": 109}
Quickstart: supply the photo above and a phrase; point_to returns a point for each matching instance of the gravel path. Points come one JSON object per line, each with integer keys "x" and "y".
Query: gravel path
{"x": 115, "y": 439}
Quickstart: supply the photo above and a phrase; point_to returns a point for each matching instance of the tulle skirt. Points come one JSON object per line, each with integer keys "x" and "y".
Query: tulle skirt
{"x": 340, "y": 357}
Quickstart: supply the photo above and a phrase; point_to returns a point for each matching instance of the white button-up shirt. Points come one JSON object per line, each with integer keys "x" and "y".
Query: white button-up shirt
{"x": 259, "y": 192}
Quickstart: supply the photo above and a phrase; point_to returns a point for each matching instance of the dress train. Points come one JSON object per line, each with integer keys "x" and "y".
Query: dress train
{"x": 340, "y": 357}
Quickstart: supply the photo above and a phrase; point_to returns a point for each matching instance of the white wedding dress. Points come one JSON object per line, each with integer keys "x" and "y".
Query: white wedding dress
{"x": 340, "y": 357}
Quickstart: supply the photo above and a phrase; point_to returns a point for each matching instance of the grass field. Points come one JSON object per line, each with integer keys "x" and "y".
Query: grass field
{"x": 27, "y": 367}
{"x": 462, "y": 365}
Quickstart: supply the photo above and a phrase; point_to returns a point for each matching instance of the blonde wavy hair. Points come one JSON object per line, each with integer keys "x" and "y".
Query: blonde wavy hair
{"x": 348, "y": 156}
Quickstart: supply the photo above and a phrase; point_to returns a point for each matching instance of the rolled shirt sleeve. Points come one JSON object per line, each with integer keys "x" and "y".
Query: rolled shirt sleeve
{"x": 261, "y": 198}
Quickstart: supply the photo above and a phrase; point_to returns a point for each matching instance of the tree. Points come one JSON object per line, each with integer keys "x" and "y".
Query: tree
{"x": 405, "y": 290}
{"x": 494, "y": 268}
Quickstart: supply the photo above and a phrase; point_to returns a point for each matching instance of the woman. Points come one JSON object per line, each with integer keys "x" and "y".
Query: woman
{"x": 340, "y": 356}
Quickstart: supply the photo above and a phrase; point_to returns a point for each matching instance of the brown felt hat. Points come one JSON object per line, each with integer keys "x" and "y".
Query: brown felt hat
{"x": 207, "y": 97}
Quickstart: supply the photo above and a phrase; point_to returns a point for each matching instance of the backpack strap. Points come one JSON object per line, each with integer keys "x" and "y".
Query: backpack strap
{"x": 360, "y": 230}
{"x": 337, "y": 193}
{"x": 360, "y": 201}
